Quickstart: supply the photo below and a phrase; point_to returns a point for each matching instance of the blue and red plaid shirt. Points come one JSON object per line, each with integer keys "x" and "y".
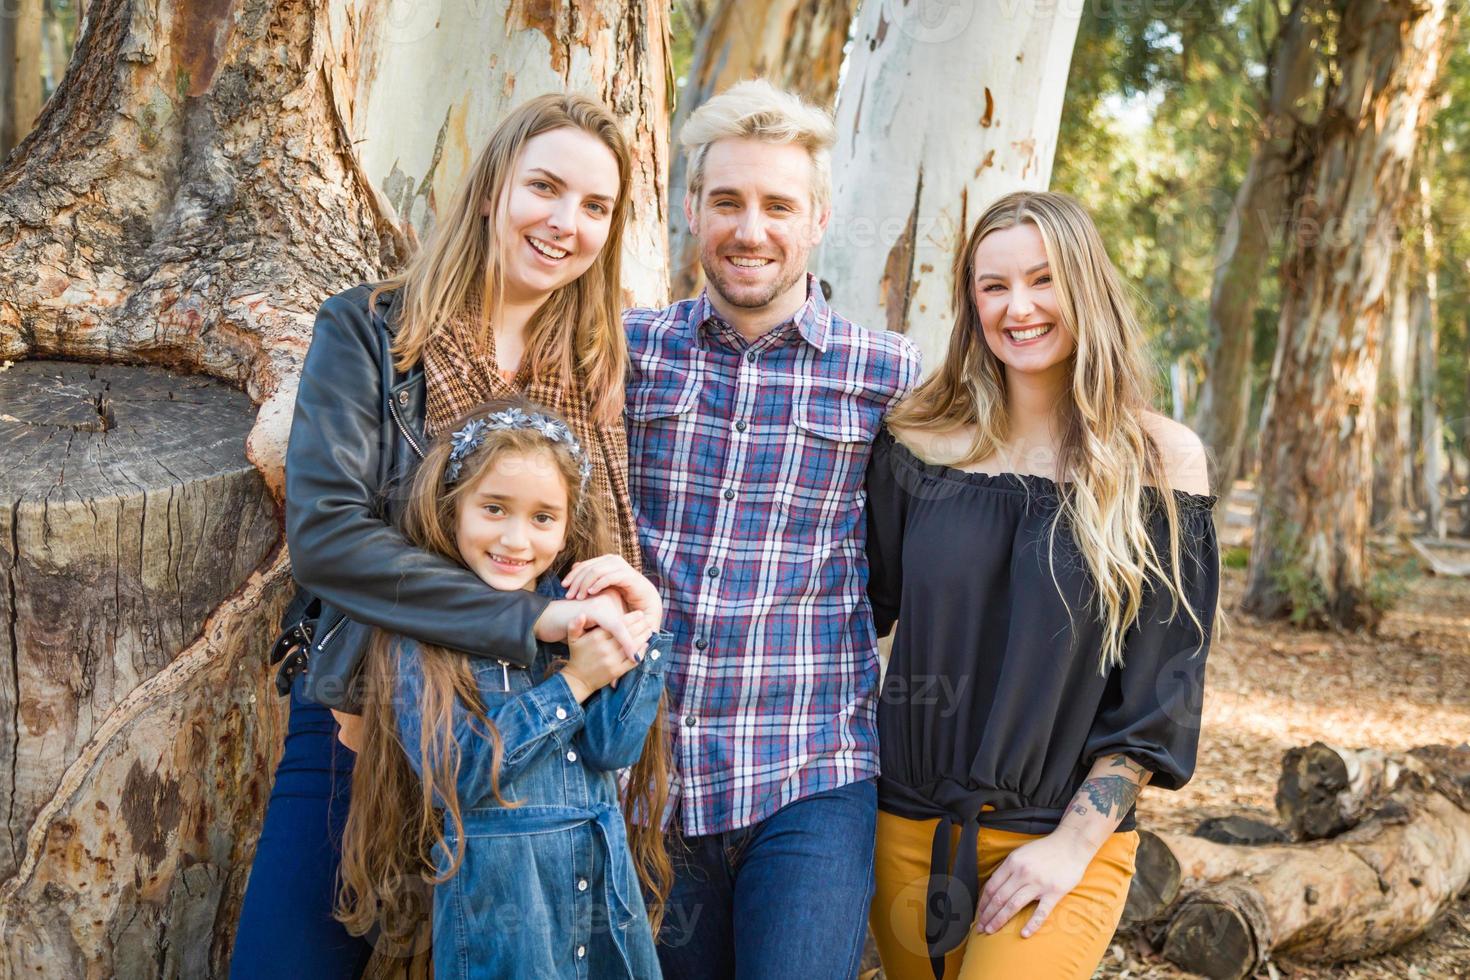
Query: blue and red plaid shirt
{"x": 746, "y": 469}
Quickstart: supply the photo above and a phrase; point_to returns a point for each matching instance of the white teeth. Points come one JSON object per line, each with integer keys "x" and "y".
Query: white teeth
{"x": 745, "y": 263}
{"x": 509, "y": 561}
{"x": 548, "y": 250}
{"x": 1030, "y": 334}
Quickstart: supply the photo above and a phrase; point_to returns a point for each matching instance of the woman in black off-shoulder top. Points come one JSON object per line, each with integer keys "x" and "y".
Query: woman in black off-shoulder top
{"x": 1024, "y": 707}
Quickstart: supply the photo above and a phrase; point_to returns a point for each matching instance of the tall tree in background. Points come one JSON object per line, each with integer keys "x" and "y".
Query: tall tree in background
{"x": 205, "y": 175}
{"x": 911, "y": 169}
{"x": 1254, "y": 221}
{"x": 20, "y": 71}
{"x": 797, "y": 44}
{"x": 1309, "y": 557}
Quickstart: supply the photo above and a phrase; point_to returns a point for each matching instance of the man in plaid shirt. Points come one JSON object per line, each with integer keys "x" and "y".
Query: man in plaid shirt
{"x": 751, "y": 412}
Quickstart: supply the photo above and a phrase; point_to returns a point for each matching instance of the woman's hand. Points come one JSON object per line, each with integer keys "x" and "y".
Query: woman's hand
{"x": 596, "y": 575}
{"x": 598, "y": 660}
{"x": 606, "y": 611}
{"x": 1042, "y": 872}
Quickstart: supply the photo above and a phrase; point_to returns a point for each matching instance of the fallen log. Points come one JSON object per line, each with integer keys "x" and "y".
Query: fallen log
{"x": 1324, "y": 789}
{"x": 1370, "y": 889}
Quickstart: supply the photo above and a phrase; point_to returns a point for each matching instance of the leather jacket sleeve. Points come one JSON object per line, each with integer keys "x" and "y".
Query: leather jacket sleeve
{"x": 342, "y": 548}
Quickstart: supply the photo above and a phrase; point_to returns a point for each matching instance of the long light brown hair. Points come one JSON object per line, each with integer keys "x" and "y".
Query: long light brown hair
{"x": 396, "y": 819}
{"x": 577, "y": 334}
{"x": 1110, "y": 470}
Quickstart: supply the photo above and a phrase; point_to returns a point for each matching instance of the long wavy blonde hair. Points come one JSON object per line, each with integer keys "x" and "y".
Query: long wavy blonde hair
{"x": 396, "y": 818}
{"x": 1110, "y": 472}
{"x": 578, "y": 332}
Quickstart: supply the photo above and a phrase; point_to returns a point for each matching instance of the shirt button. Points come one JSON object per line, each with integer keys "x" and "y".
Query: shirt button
{"x": 689, "y": 721}
{"x": 653, "y": 654}
{"x": 581, "y": 884}
{"x": 739, "y": 426}
{"x": 729, "y": 494}
{"x": 713, "y": 572}
{"x": 403, "y": 397}
{"x": 571, "y": 756}
{"x": 581, "y": 952}
{"x": 750, "y": 357}
{"x": 700, "y": 643}
{"x": 561, "y": 714}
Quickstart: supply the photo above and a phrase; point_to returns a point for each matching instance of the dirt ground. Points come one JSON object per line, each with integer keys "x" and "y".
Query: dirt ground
{"x": 1272, "y": 687}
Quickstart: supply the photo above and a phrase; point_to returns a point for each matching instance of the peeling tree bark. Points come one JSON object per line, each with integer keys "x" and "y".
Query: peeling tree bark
{"x": 943, "y": 108}
{"x": 200, "y": 181}
{"x": 1317, "y": 438}
{"x": 1253, "y": 224}
{"x": 795, "y": 44}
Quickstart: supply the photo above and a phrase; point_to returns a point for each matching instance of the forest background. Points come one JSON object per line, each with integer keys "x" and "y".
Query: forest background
{"x": 1282, "y": 182}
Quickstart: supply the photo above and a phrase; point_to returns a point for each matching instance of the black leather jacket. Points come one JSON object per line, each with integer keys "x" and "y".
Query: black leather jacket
{"x": 341, "y": 462}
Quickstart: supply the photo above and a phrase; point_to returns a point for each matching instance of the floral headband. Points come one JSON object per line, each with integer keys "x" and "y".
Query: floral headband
{"x": 468, "y": 438}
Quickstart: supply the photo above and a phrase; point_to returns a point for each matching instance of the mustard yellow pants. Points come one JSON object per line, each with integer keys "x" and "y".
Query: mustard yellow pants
{"x": 1070, "y": 944}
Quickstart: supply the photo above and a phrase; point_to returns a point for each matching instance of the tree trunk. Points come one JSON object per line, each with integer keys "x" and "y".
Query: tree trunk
{"x": 190, "y": 194}
{"x": 1309, "y": 556}
{"x": 796, "y": 44}
{"x": 20, "y": 71}
{"x": 1394, "y": 468}
{"x": 1427, "y": 322}
{"x": 1245, "y": 245}
{"x": 913, "y": 170}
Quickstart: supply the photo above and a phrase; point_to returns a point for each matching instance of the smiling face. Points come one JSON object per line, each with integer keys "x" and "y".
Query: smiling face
{"x": 756, "y": 222}
{"x": 557, "y": 212}
{"x": 511, "y": 525}
{"x": 1014, "y": 295}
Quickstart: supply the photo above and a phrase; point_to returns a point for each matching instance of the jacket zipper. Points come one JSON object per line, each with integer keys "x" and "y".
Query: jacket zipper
{"x": 397, "y": 420}
{"x": 330, "y": 633}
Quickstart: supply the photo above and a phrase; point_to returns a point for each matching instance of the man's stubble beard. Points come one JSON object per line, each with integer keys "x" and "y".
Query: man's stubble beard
{"x": 779, "y": 288}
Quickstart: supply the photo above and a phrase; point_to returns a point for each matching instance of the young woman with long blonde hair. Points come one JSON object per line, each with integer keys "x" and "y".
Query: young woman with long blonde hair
{"x": 1042, "y": 539}
{"x": 514, "y": 293}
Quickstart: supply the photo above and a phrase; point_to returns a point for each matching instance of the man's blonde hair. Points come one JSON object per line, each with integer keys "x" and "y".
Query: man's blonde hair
{"x": 758, "y": 110}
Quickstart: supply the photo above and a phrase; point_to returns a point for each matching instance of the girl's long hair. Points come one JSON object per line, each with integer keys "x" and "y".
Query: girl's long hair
{"x": 396, "y": 819}
{"x": 578, "y": 332}
{"x": 1110, "y": 472}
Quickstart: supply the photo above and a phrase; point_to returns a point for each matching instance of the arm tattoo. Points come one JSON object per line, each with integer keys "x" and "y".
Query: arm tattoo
{"x": 1128, "y": 765}
{"x": 1105, "y": 793}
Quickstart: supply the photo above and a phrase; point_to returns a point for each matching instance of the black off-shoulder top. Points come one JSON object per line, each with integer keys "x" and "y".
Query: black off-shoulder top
{"x": 993, "y": 708}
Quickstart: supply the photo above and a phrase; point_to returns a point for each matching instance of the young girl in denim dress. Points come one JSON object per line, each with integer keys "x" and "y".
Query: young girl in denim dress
{"x": 497, "y": 784}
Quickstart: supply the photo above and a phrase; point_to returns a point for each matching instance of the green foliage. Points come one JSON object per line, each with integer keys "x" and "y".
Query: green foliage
{"x": 1157, "y": 131}
{"x": 1305, "y": 594}
{"x": 1388, "y": 583}
{"x": 1238, "y": 557}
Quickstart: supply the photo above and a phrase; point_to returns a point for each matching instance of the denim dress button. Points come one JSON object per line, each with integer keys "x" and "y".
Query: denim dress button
{"x": 581, "y": 884}
{"x": 581, "y": 951}
{"x": 571, "y": 756}
{"x": 561, "y": 714}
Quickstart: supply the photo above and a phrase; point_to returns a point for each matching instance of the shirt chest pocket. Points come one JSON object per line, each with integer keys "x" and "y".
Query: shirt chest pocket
{"x": 832, "y": 434}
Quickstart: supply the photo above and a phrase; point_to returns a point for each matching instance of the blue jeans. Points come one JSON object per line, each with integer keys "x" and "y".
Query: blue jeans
{"x": 286, "y": 925}
{"x": 784, "y": 899}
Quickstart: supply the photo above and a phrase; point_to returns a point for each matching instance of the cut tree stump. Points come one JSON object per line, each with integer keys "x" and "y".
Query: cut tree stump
{"x": 131, "y": 532}
{"x": 1324, "y": 790}
{"x": 1220, "y": 909}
